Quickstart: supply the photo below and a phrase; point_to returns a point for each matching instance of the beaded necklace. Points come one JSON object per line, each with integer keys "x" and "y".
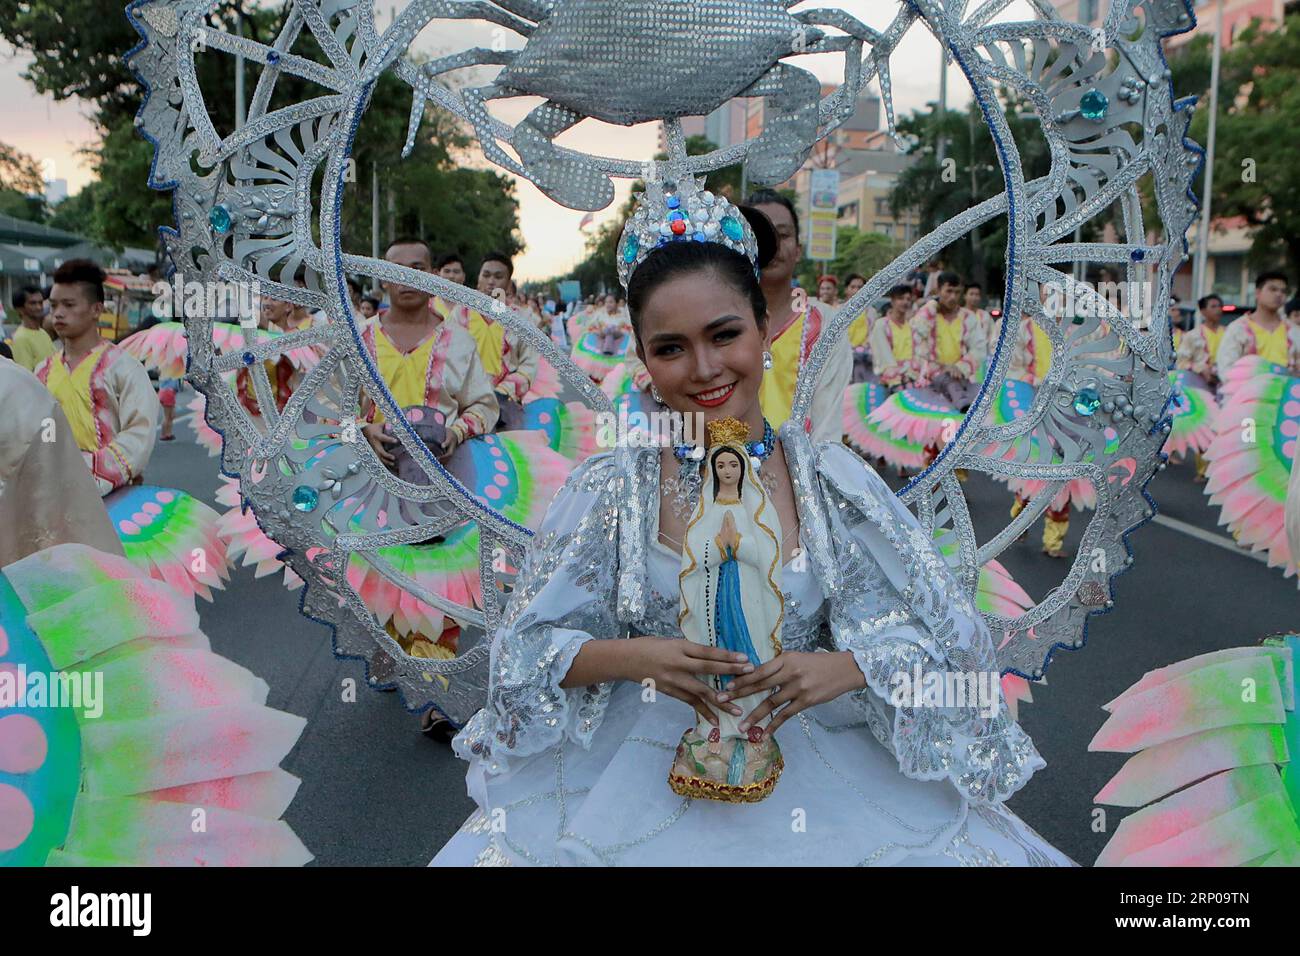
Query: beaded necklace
{"x": 685, "y": 488}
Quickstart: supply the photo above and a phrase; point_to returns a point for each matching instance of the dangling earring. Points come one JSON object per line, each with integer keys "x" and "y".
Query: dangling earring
{"x": 654, "y": 393}
{"x": 767, "y": 360}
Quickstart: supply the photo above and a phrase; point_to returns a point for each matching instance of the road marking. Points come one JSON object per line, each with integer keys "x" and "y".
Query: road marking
{"x": 1220, "y": 540}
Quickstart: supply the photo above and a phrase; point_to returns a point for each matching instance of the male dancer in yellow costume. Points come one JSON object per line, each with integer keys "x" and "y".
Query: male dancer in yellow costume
{"x": 795, "y": 331}
{"x": 106, "y": 394}
{"x": 426, "y": 361}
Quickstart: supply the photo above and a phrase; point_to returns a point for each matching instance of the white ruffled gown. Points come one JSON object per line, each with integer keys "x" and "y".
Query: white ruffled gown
{"x": 579, "y": 776}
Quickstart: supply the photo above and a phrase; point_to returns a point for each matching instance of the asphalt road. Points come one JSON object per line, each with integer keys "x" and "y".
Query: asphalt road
{"x": 376, "y": 792}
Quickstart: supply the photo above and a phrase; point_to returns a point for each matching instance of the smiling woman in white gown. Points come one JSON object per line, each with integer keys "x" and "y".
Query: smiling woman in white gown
{"x": 589, "y": 692}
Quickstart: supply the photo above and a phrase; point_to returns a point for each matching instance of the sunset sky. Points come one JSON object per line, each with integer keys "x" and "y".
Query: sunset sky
{"x": 54, "y": 132}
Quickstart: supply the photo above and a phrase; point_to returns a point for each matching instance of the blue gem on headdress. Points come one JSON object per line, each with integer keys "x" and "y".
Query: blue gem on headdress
{"x": 219, "y": 218}
{"x": 273, "y": 57}
{"x": 673, "y": 202}
{"x": 675, "y": 217}
{"x": 631, "y": 248}
{"x": 305, "y": 498}
{"x": 249, "y": 358}
{"x": 1094, "y": 105}
{"x": 1137, "y": 255}
{"x": 733, "y": 229}
{"x": 701, "y": 237}
{"x": 663, "y": 241}
{"x": 1087, "y": 401}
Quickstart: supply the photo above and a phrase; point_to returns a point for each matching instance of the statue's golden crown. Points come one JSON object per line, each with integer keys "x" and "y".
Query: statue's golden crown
{"x": 728, "y": 431}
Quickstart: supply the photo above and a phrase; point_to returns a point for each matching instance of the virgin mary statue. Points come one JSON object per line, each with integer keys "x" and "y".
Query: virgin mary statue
{"x": 731, "y": 598}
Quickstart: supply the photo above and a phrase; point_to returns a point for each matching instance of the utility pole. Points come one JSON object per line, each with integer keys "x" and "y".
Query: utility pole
{"x": 941, "y": 146}
{"x": 374, "y": 209}
{"x": 1203, "y": 233}
{"x": 240, "y": 114}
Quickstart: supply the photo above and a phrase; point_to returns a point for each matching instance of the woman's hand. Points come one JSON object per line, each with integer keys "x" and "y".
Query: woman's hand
{"x": 804, "y": 680}
{"x": 673, "y": 663}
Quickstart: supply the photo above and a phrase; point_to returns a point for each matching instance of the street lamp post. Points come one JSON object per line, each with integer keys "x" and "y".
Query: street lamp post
{"x": 1203, "y": 230}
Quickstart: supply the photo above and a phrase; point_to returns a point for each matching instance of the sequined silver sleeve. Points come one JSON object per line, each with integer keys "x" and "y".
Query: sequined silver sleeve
{"x": 564, "y": 597}
{"x": 924, "y": 650}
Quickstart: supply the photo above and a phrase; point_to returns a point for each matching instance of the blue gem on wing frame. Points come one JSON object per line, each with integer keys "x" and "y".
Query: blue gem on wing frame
{"x": 681, "y": 209}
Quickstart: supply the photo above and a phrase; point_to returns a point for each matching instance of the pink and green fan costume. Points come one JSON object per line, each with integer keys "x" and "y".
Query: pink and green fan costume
{"x": 172, "y": 536}
{"x": 165, "y": 348}
{"x": 1194, "y": 413}
{"x": 546, "y": 383}
{"x": 1014, "y": 402}
{"x": 162, "y": 347}
{"x": 1252, "y": 454}
{"x": 916, "y": 415}
{"x": 1212, "y": 740}
{"x": 569, "y": 427}
{"x": 588, "y": 356}
{"x": 997, "y": 592}
{"x": 205, "y": 436}
{"x": 245, "y": 539}
{"x": 182, "y": 735}
{"x": 517, "y": 473}
{"x": 872, "y": 439}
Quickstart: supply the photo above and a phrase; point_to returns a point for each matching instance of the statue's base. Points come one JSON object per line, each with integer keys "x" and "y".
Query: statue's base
{"x": 701, "y": 774}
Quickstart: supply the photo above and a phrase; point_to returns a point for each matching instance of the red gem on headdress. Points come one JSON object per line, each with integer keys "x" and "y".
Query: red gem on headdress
{"x": 678, "y": 227}
{"x": 807, "y": 426}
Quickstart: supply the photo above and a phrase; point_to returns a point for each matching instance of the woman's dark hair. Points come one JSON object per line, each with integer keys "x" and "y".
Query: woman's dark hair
{"x": 677, "y": 259}
{"x": 713, "y": 467}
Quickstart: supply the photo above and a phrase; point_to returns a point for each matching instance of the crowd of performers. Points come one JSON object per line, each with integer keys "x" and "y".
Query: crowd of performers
{"x": 494, "y": 412}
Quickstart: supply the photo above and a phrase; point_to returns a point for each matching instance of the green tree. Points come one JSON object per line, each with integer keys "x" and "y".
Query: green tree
{"x": 77, "y": 52}
{"x": 968, "y": 176}
{"x": 77, "y": 48}
{"x": 865, "y": 253}
{"x": 21, "y": 185}
{"x": 73, "y": 213}
{"x": 1259, "y": 110}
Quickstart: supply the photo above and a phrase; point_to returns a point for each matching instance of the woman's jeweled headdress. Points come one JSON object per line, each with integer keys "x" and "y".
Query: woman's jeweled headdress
{"x": 682, "y": 210}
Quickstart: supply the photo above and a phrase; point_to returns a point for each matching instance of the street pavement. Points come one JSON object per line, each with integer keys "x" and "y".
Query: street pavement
{"x": 375, "y": 792}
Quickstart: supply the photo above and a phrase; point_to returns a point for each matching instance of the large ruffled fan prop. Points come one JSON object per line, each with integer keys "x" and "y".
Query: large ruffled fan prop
{"x": 1213, "y": 740}
{"x": 167, "y": 755}
{"x": 172, "y": 536}
{"x": 1252, "y": 454}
